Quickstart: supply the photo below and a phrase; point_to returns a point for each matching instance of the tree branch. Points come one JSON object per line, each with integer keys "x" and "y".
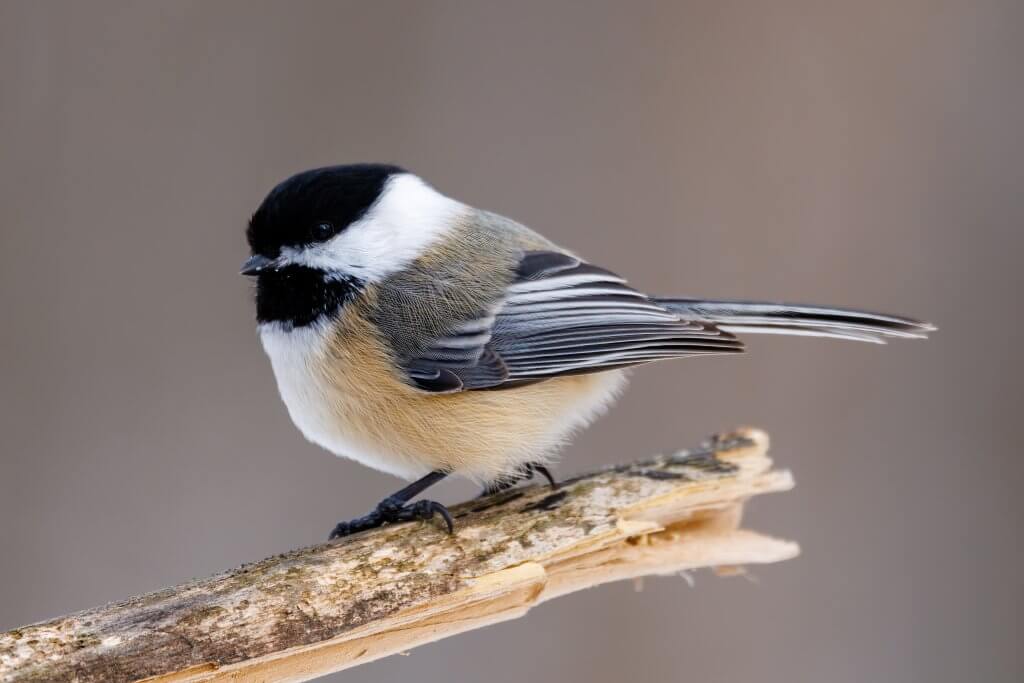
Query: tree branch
{"x": 329, "y": 607}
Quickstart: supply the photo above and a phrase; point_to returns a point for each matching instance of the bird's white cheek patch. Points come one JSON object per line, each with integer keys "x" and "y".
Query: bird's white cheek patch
{"x": 408, "y": 217}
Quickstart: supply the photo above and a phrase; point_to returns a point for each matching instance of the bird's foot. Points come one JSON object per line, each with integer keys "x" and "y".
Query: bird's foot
{"x": 392, "y": 510}
{"x": 525, "y": 472}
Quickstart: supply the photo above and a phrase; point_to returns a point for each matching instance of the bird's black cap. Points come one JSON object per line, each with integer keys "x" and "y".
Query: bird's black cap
{"x": 315, "y": 205}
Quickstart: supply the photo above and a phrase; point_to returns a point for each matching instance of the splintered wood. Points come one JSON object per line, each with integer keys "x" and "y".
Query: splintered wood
{"x": 313, "y": 611}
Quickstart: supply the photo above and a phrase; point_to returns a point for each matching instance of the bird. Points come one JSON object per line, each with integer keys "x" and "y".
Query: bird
{"x": 424, "y": 338}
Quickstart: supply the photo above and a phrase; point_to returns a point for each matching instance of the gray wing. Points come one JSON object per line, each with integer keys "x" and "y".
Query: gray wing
{"x": 560, "y": 316}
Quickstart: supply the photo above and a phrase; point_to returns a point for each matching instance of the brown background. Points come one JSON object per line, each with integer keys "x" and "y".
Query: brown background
{"x": 859, "y": 153}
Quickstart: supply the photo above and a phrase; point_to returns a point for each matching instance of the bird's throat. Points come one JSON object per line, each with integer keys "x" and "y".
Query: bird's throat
{"x": 297, "y": 296}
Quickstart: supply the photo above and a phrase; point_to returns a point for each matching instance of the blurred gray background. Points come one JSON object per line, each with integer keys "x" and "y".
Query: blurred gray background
{"x": 858, "y": 153}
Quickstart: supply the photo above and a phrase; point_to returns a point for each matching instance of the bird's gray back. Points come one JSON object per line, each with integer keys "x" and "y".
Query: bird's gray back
{"x": 462, "y": 277}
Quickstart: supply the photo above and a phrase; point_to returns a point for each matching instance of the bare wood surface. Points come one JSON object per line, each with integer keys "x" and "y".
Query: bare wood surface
{"x": 307, "y": 613}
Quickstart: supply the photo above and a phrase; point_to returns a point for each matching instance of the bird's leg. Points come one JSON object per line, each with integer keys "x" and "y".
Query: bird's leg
{"x": 526, "y": 471}
{"x": 396, "y": 508}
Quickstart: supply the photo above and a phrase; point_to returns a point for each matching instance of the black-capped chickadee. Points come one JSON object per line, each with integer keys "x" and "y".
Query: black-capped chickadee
{"x": 423, "y": 337}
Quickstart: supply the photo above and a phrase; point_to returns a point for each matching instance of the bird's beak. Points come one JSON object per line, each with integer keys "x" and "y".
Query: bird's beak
{"x": 258, "y": 264}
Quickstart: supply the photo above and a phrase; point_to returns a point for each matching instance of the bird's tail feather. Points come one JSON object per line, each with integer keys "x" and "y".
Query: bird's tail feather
{"x": 797, "y": 319}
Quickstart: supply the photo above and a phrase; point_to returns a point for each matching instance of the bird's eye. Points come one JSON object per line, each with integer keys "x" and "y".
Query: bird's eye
{"x": 323, "y": 230}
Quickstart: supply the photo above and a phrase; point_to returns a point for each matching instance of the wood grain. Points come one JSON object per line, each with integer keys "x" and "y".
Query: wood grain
{"x": 307, "y": 613}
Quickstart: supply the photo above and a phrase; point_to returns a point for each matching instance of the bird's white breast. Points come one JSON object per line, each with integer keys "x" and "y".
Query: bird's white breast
{"x": 297, "y": 357}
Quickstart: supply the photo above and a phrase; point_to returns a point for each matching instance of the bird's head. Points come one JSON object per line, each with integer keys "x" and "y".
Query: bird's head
{"x": 327, "y": 232}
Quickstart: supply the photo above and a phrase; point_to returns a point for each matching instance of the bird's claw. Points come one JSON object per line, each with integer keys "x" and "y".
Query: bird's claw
{"x": 546, "y": 473}
{"x": 390, "y": 511}
{"x": 426, "y": 509}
